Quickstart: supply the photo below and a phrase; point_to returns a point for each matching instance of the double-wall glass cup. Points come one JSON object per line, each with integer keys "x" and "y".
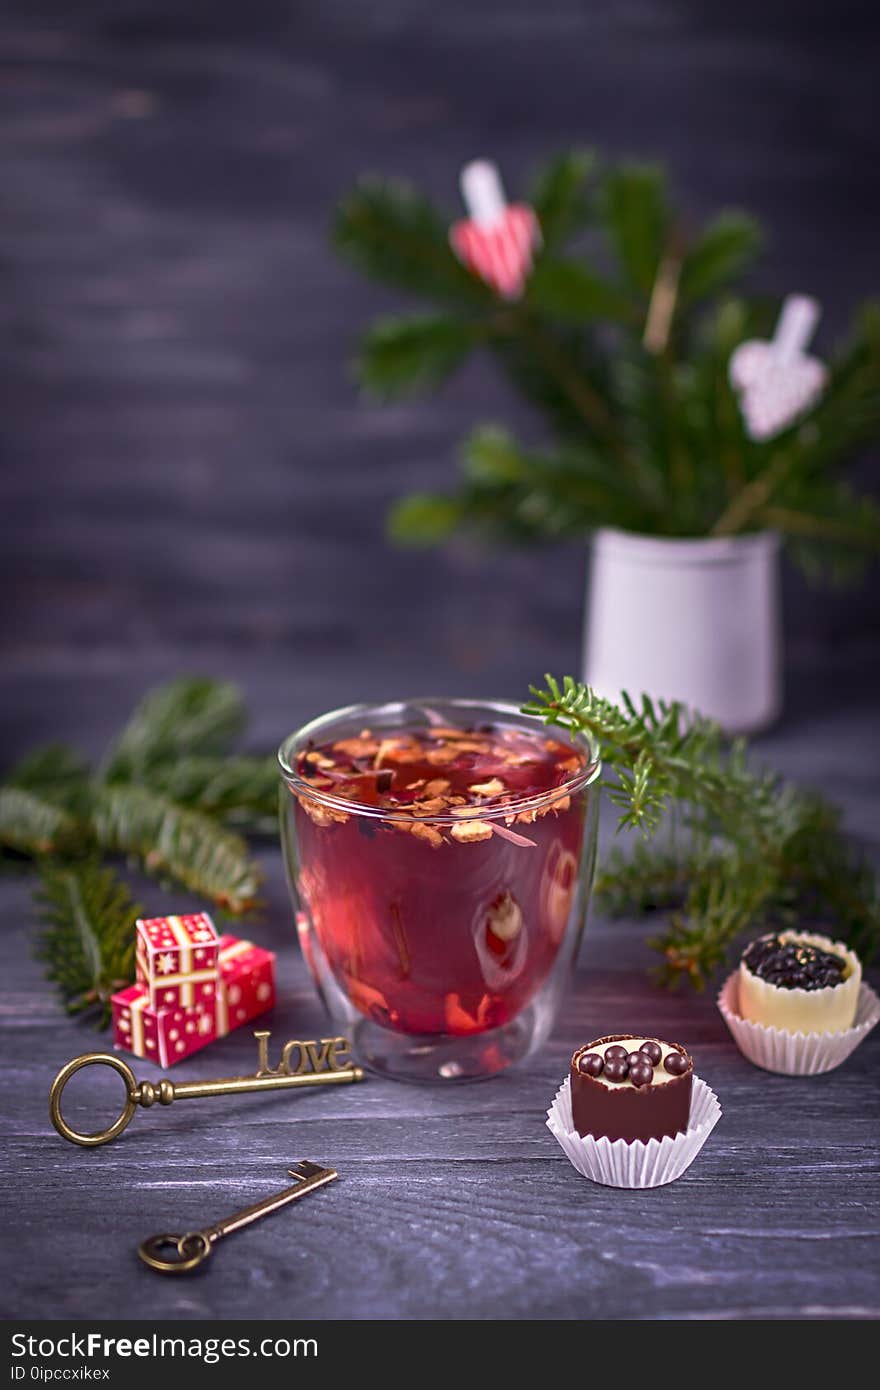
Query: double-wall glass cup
{"x": 440, "y": 932}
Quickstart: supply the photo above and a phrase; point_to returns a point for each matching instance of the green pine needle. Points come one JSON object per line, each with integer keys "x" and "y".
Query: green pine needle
{"x": 573, "y": 290}
{"x": 241, "y": 792}
{"x": 173, "y": 842}
{"x": 636, "y": 216}
{"x": 386, "y": 228}
{"x": 726, "y": 247}
{"x": 88, "y": 938}
{"x": 561, "y": 198}
{"x": 734, "y": 850}
{"x": 651, "y": 876}
{"x": 30, "y": 824}
{"x": 402, "y": 355}
{"x": 190, "y": 716}
{"x": 54, "y": 771}
{"x": 423, "y": 518}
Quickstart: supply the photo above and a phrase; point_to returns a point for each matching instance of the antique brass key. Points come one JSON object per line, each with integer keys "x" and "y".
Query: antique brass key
{"x": 195, "y": 1246}
{"x": 327, "y": 1068}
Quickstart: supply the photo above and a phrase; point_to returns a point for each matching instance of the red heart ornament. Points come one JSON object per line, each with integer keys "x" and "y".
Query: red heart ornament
{"x": 497, "y": 240}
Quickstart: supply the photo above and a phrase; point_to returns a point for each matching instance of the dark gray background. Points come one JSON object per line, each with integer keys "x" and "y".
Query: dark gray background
{"x": 189, "y": 477}
{"x": 189, "y": 482}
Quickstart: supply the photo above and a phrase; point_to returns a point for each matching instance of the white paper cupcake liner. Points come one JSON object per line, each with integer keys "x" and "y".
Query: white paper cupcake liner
{"x": 796, "y": 1054}
{"x": 615, "y": 1163}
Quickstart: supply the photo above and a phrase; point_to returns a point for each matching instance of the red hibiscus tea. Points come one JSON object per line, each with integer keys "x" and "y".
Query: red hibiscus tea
{"x": 438, "y": 865}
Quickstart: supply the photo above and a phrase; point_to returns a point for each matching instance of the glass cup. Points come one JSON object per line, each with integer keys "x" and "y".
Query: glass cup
{"x": 441, "y": 960}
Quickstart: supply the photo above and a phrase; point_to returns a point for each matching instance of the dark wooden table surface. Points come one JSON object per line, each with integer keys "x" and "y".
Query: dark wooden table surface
{"x": 453, "y": 1202}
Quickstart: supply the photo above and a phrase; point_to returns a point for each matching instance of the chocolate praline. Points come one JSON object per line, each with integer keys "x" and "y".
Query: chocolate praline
{"x": 610, "y": 1106}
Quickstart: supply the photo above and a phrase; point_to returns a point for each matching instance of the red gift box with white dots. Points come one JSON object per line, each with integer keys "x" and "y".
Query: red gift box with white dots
{"x": 166, "y": 1035}
{"x": 163, "y": 1036}
{"x": 247, "y": 982}
{"x": 177, "y": 959}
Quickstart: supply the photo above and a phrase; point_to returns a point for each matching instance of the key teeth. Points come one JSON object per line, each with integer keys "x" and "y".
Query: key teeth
{"x": 304, "y": 1168}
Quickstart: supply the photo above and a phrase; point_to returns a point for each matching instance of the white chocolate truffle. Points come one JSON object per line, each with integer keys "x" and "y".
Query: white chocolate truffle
{"x": 831, "y": 1009}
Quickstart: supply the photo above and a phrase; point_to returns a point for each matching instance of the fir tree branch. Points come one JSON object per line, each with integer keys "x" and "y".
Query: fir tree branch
{"x": 402, "y": 355}
{"x": 719, "y": 907}
{"x": 425, "y": 518}
{"x": 686, "y": 754}
{"x": 575, "y": 386}
{"x": 551, "y": 369}
{"x": 560, "y": 199}
{"x": 54, "y": 771}
{"x": 386, "y": 228}
{"x": 751, "y": 853}
{"x": 88, "y": 940}
{"x": 651, "y": 877}
{"x": 240, "y": 791}
{"x": 862, "y": 530}
{"x": 190, "y": 716}
{"x": 29, "y": 824}
{"x": 635, "y": 214}
{"x": 519, "y": 494}
{"x": 170, "y": 841}
{"x": 571, "y": 290}
{"x": 744, "y": 507}
{"x": 567, "y": 487}
{"x": 165, "y": 796}
{"x": 725, "y": 248}
{"x": 573, "y": 345}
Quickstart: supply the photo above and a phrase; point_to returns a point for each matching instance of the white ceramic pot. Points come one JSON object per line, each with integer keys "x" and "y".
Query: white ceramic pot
{"x": 690, "y": 620}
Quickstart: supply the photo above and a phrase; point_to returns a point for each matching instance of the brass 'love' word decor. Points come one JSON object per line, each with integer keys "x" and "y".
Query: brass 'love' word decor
{"x": 309, "y": 1063}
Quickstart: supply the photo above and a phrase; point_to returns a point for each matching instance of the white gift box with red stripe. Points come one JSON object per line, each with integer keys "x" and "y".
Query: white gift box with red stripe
{"x": 177, "y": 959}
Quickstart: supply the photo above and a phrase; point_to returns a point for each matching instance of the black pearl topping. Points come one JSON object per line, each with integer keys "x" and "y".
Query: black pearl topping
{"x": 618, "y": 1065}
{"x": 641, "y": 1073}
{"x": 675, "y": 1063}
{"x": 616, "y": 1068}
{"x": 591, "y": 1064}
{"x": 793, "y": 964}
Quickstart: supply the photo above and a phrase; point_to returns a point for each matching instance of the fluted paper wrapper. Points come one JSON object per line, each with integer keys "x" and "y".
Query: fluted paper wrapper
{"x": 615, "y": 1163}
{"x": 796, "y": 1054}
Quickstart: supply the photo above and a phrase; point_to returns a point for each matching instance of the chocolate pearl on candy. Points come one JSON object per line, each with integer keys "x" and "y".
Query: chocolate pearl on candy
{"x": 636, "y": 1059}
{"x": 653, "y": 1051}
{"x": 675, "y": 1063}
{"x": 591, "y": 1064}
{"x": 615, "y": 1051}
{"x": 642, "y": 1073}
{"x": 616, "y": 1068}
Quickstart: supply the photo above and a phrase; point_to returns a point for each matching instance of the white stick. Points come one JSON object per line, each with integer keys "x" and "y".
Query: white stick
{"x": 483, "y": 192}
{"x": 796, "y": 326}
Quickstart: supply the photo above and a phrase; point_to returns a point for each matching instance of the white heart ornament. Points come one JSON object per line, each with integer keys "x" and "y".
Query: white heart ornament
{"x": 777, "y": 381}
